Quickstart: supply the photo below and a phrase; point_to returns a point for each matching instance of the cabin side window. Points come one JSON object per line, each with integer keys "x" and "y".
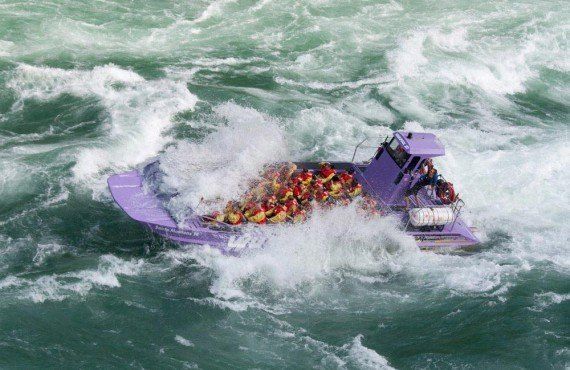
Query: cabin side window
{"x": 413, "y": 164}
{"x": 397, "y": 152}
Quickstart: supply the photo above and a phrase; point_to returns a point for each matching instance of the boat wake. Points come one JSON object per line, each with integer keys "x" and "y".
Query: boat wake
{"x": 313, "y": 263}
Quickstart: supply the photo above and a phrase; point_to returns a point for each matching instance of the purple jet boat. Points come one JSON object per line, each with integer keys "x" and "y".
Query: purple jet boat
{"x": 386, "y": 177}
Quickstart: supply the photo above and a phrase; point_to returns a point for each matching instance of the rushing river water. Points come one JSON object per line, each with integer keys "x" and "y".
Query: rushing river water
{"x": 90, "y": 88}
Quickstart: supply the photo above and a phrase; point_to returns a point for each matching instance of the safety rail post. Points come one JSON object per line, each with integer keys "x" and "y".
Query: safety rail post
{"x": 365, "y": 140}
{"x": 356, "y": 149}
{"x": 457, "y": 210}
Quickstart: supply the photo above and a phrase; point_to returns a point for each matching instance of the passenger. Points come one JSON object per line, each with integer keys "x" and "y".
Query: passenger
{"x": 269, "y": 205}
{"x": 346, "y": 177}
{"x": 247, "y": 207}
{"x": 355, "y": 189}
{"x": 316, "y": 183}
{"x": 301, "y": 192}
{"x": 292, "y": 205}
{"x": 305, "y": 177}
{"x": 216, "y": 217}
{"x": 259, "y": 190}
{"x": 275, "y": 184}
{"x": 426, "y": 166}
{"x": 288, "y": 171}
{"x": 326, "y": 172}
{"x": 334, "y": 187}
{"x": 285, "y": 193}
{"x": 321, "y": 195}
{"x": 429, "y": 179}
{"x": 299, "y": 215}
{"x": 247, "y": 198}
{"x": 235, "y": 217}
{"x": 279, "y": 214}
{"x": 257, "y": 215}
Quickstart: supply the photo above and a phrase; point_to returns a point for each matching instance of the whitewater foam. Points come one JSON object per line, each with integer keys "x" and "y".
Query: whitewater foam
{"x": 331, "y": 133}
{"x": 545, "y": 300}
{"x": 140, "y": 112}
{"x": 363, "y": 357}
{"x": 185, "y": 342}
{"x": 218, "y": 169}
{"x": 58, "y": 287}
{"x": 298, "y": 259}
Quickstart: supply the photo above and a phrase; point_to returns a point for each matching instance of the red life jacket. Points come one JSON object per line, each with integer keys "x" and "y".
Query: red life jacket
{"x": 304, "y": 196}
{"x": 318, "y": 185}
{"x": 279, "y": 214}
{"x": 321, "y": 195}
{"x": 297, "y": 191}
{"x": 257, "y": 216}
{"x": 305, "y": 177}
{"x": 285, "y": 193}
{"x": 326, "y": 174}
{"x": 345, "y": 178}
{"x": 268, "y": 209}
{"x": 291, "y": 205}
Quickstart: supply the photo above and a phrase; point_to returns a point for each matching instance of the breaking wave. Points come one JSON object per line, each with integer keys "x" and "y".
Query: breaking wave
{"x": 58, "y": 287}
{"x": 139, "y": 113}
{"x": 218, "y": 169}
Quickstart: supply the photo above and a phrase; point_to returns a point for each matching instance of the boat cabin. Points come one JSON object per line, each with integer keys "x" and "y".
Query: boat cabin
{"x": 389, "y": 172}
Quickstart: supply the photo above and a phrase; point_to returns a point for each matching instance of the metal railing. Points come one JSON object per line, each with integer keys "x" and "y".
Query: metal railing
{"x": 359, "y": 145}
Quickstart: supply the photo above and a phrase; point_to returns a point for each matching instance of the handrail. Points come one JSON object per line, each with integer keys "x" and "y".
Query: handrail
{"x": 365, "y": 140}
{"x": 356, "y": 149}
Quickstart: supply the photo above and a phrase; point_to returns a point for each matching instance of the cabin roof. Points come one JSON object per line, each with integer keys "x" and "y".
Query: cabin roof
{"x": 420, "y": 143}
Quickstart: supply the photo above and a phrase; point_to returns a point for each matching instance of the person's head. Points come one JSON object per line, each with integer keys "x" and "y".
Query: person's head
{"x": 432, "y": 172}
{"x": 324, "y": 165}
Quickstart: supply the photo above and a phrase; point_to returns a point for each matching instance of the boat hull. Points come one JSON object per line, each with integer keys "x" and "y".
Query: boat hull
{"x": 145, "y": 206}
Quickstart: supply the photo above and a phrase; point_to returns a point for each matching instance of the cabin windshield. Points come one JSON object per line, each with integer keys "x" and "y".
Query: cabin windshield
{"x": 397, "y": 152}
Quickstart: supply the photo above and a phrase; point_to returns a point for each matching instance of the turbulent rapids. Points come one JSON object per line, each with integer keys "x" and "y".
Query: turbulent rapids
{"x": 180, "y": 101}
{"x": 288, "y": 192}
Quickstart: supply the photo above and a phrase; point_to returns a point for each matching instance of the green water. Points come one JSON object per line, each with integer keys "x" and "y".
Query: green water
{"x": 91, "y": 88}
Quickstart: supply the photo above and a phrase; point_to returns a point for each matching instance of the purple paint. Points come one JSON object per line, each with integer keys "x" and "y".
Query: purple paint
{"x": 386, "y": 177}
